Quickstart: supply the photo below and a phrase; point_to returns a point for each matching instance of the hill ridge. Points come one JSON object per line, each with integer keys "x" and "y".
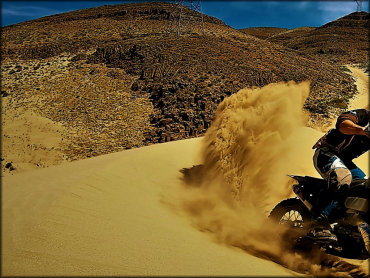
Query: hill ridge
{"x": 151, "y": 10}
{"x": 355, "y": 19}
{"x": 342, "y": 41}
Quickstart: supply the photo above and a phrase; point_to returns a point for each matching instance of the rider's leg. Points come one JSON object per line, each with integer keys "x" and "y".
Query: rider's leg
{"x": 329, "y": 205}
{"x": 332, "y": 168}
{"x": 339, "y": 177}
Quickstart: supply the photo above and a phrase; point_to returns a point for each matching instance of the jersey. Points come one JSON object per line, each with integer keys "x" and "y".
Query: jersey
{"x": 345, "y": 146}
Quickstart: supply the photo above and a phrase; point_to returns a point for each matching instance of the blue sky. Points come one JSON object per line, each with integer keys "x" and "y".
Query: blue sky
{"x": 237, "y": 14}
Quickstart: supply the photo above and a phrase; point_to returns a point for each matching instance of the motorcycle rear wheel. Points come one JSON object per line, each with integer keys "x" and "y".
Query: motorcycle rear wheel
{"x": 292, "y": 213}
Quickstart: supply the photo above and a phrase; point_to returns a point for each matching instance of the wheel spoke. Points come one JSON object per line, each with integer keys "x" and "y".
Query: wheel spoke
{"x": 292, "y": 218}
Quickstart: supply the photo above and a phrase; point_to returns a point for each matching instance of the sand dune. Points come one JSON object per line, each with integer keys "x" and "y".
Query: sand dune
{"x": 104, "y": 216}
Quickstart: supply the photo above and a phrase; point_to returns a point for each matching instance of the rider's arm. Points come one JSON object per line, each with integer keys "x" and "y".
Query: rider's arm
{"x": 349, "y": 127}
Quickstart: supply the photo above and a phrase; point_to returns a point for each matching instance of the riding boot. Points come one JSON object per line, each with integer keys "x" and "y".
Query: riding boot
{"x": 332, "y": 211}
{"x": 320, "y": 227}
{"x": 364, "y": 229}
{"x": 321, "y": 230}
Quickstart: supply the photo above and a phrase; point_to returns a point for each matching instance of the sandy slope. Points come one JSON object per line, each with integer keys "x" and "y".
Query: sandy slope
{"x": 104, "y": 216}
{"x": 115, "y": 214}
{"x": 29, "y": 141}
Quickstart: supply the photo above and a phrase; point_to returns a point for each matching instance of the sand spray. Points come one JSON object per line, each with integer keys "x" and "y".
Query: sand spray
{"x": 258, "y": 136}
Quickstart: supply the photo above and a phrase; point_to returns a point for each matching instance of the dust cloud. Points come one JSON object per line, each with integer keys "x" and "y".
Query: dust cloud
{"x": 258, "y": 136}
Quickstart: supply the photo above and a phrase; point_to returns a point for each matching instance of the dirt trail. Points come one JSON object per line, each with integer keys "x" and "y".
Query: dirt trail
{"x": 257, "y": 138}
{"x": 362, "y": 99}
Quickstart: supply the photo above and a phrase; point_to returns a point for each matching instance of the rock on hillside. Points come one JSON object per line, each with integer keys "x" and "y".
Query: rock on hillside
{"x": 118, "y": 79}
{"x": 343, "y": 41}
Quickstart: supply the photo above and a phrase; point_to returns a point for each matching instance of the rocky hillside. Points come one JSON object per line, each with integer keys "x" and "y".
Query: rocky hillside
{"x": 89, "y": 28}
{"x": 289, "y": 35}
{"x": 117, "y": 77}
{"x": 343, "y": 41}
{"x": 263, "y": 32}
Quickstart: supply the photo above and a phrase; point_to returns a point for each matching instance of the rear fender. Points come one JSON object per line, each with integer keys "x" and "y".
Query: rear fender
{"x": 297, "y": 178}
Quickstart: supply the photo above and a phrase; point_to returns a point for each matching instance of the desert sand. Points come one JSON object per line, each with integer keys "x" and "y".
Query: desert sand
{"x": 104, "y": 216}
{"x": 129, "y": 213}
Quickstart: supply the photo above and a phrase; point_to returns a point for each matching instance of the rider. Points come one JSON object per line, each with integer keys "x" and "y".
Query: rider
{"x": 333, "y": 160}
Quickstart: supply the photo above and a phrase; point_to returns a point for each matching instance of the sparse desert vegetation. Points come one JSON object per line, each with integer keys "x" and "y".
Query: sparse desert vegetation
{"x": 114, "y": 77}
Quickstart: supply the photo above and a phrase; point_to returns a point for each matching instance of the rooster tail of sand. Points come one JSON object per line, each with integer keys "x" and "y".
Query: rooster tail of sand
{"x": 258, "y": 136}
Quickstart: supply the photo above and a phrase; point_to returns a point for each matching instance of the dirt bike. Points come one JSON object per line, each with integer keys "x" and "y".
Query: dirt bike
{"x": 296, "y": 213}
